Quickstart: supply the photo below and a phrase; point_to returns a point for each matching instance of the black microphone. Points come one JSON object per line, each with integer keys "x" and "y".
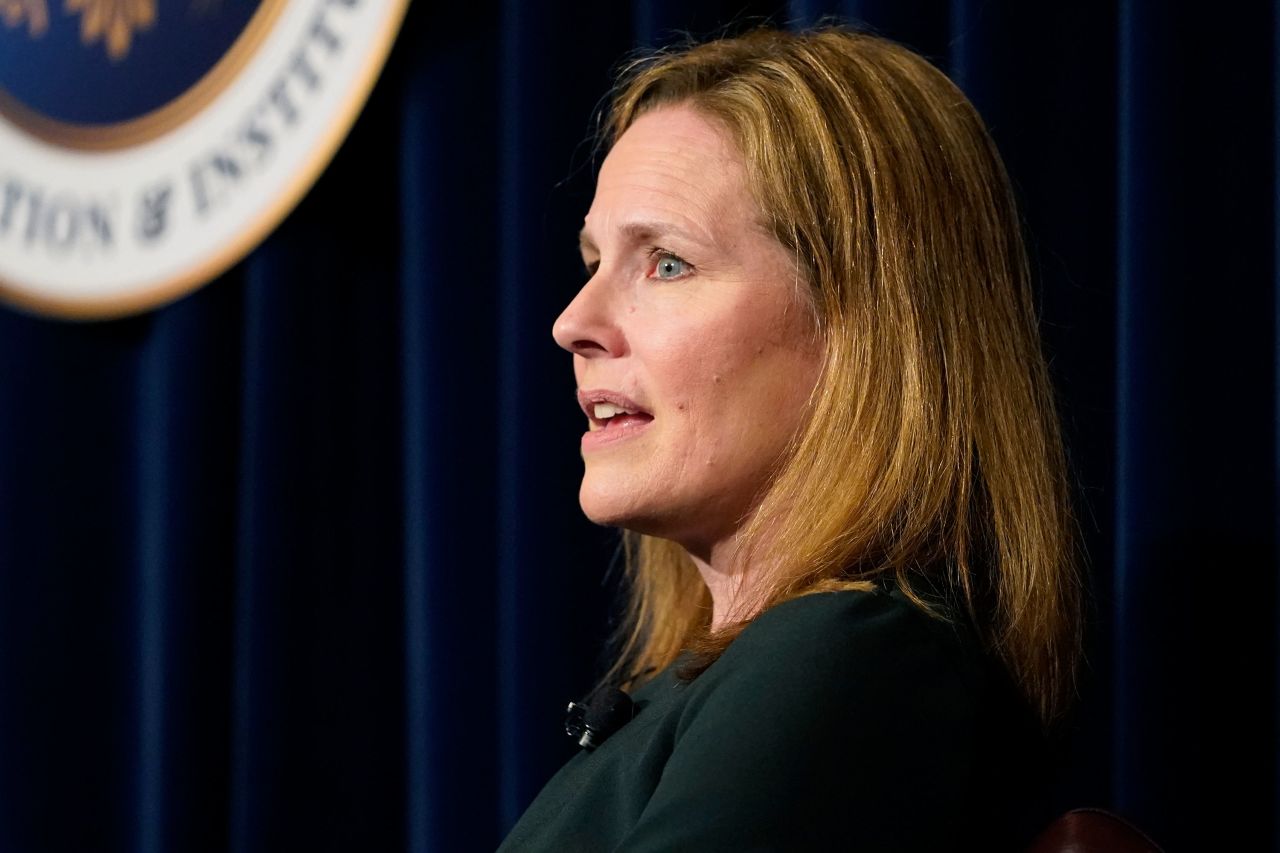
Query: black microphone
{"x": 601, "y": 714}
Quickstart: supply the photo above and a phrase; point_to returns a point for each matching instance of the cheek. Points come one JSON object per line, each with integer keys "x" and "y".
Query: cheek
{"x": 734, "y": 380}
{"x": 694, "y": 369}
{"x": 767, "y": 385}
{"x": 707, "y": 354}
{"x": 680, "y": 360}
{"x": 729, "y": 401}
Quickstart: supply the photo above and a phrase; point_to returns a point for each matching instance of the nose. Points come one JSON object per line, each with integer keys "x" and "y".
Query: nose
{"x": 587, "y": 326}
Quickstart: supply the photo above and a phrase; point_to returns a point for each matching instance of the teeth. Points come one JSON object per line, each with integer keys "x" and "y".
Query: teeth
{"x": 604, "y": 411}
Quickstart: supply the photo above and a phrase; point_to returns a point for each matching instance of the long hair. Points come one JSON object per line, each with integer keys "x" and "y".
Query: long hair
{"x": 932, "y": 451}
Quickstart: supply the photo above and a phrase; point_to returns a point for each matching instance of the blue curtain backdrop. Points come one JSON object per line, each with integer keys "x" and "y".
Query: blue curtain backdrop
{"x": 296, "y": 562}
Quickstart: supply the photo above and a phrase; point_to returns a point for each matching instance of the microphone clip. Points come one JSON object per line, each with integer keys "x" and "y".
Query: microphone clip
{"x": 601, "y": 714}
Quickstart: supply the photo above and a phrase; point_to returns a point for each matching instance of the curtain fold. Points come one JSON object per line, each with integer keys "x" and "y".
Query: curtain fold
{"x": 1195, "y": 501}
{"x": 154, "y": 553}
{"x": 296, "y": 562}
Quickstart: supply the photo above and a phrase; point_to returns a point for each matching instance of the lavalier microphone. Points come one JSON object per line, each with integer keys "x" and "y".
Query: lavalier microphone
{"x": 601, "y": 714}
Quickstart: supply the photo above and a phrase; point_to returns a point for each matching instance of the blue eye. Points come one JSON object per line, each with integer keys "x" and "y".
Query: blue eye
{"x": 668, "y": 266}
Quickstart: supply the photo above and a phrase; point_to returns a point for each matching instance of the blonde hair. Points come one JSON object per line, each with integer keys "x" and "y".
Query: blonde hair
{"x": 932, "y": 450}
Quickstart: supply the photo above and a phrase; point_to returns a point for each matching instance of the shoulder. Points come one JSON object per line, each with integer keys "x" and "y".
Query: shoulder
{"x": 853, "y": 646}
{"x": 848, "y": 618}
{"x": 851, "y": 664}
{"x": 834, "y": 720}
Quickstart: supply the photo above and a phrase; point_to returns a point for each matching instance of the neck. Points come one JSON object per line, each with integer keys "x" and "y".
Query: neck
{"x": 725, "y": 573}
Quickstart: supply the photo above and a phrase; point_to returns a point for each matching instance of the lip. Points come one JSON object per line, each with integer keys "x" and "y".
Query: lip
{"x": 599, "y": 435}
{"x": 588, "y": 398}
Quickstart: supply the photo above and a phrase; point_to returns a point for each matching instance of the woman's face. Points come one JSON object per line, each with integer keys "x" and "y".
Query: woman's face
{"x": 693, "y": 352}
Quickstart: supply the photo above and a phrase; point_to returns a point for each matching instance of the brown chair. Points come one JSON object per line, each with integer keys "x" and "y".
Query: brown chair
{"x": 1092, "y": 831}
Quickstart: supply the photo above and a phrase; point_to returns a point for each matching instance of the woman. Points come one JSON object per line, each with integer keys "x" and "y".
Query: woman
{"x": 808, "y": 355}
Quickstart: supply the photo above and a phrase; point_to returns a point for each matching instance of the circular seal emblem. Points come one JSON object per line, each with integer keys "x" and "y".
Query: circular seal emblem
{"x": 147, "y": 145}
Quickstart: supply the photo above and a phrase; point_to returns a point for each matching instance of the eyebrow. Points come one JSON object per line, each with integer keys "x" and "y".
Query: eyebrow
{"x": 649, "y": 229}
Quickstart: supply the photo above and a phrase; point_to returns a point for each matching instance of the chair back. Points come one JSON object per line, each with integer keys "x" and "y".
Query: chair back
{"x": 1092, "y": 831}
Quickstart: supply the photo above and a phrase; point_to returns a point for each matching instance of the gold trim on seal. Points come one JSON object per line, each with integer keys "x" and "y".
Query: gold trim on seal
{"x": 137, "y": 301}
{"x": 124, "y": 134}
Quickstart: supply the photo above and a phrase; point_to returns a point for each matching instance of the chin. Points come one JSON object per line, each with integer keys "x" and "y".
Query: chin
{"x": 604, "y": 506}
{"x": 618, "y": 507}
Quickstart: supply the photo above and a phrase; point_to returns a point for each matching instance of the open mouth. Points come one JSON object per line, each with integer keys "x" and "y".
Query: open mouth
{"x": 609, "y": 411}
{"x": 608, "y": 416}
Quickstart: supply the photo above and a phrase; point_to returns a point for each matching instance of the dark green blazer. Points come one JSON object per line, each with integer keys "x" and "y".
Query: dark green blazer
{"x": 836, "y": 721}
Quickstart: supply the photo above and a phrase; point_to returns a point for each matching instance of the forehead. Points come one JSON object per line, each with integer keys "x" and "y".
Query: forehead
{"x": 673, "y": 165}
